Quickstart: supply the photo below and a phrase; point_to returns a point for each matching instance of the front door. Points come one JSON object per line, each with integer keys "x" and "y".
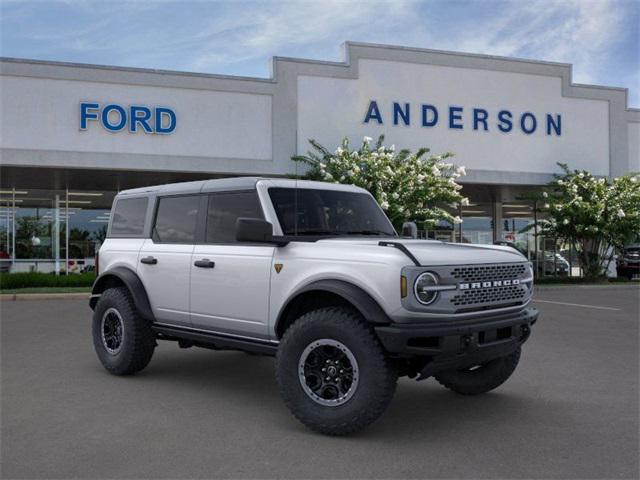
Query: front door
{"x": 164, "y": 262}
{"x": 230, "y": 280}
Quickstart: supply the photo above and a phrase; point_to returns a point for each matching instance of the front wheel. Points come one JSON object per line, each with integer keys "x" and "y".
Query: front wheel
{"x": 480, "y": 378}
{"x": 333, "y": 373}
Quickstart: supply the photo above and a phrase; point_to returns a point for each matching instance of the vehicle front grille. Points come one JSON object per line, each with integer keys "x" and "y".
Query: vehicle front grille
{"x": 479, "y": 273}
{"x": 480, "y": 287}
{"x": 511, "y": 294}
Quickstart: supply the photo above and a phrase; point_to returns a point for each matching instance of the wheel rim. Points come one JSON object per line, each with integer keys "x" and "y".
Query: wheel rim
{"x": 328, "y": 372}
{"x": 112, "y": 329}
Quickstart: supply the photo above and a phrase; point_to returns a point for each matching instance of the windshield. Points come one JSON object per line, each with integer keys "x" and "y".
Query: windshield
{"x": 306, "y": 211}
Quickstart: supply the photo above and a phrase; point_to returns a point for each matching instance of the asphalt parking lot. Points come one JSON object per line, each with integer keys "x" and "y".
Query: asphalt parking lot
{"x": 570, "y": 410}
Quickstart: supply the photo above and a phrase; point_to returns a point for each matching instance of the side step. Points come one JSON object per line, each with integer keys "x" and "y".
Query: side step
{"x": 216, "y": 341}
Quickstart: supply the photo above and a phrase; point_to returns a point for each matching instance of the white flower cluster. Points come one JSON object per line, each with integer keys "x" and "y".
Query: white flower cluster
{"x": 594, "y": 214}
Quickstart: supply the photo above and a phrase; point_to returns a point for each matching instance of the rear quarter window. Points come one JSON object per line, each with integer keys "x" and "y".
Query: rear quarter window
{"x": 128, "y": 217}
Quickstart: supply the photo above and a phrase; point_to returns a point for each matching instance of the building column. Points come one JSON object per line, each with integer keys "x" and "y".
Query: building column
{"x": 56, "y": 234}
{"x": 498, "y": 226}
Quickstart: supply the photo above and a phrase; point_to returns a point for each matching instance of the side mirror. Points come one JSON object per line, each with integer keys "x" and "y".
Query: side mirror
{"x": 254, "y": 230}
{"x": 409, "y": 229}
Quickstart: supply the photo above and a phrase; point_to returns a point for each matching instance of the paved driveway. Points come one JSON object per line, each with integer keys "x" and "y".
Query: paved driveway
{"x": 570, "y": 410}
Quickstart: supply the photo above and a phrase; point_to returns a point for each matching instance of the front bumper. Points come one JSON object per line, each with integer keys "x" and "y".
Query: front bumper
{"x": 625, "y": 269}
{"x": 458, "y": 344}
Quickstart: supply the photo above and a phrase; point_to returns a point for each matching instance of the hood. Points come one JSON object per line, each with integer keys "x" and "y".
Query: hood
{"x": 433, "y": 252}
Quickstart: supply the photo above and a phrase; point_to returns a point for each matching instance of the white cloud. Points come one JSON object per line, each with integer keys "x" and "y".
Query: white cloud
{"x": 267, "y": 30}
{"x": 580, "y": 32}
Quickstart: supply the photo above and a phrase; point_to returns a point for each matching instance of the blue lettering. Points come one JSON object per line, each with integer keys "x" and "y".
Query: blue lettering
{"x": 139, "y": 115}
{"x": 162, "y": 112}
{"x": 504, "y": 117}
{"x": 85, "y": 114}
{"x": 373, "y": 112}
{"x": 425, "y": 115}
{"x": 455, "y": 113}
{"x": 399, "y": 112}
{"x": 480, "y": 115}
{"x": 523, "y": 123}
{"x": 105, "y": 118}
{"x": 557, "y": 125}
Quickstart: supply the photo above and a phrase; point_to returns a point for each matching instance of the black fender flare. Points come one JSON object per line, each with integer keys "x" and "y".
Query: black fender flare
{"x": 133, "y": 284}
{"x": 360, "y": 299}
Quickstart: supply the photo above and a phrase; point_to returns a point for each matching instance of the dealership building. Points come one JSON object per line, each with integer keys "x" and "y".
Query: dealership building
{"x": 73, "y": 135}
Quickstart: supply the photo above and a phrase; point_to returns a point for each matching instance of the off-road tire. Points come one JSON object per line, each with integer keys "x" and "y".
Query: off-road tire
{"x": 138, "y": 341}
{"x": 481, "y": 380}
{"x": 377, "y": 375}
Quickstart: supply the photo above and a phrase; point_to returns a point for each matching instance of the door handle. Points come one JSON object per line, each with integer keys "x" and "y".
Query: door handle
{"x": 149, "y": 260}
{"x": 204, "y": 263}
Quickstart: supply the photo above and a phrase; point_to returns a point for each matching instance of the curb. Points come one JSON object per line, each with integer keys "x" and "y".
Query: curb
{"x": 43, "y": 296}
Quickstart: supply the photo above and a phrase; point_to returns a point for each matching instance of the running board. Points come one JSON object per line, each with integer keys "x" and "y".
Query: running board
{"x": 217, "y": 341}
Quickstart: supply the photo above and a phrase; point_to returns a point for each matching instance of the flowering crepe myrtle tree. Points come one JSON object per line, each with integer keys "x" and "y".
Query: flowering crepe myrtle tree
{"x": 408, "y": 186}
{"x": 596, "y": 216}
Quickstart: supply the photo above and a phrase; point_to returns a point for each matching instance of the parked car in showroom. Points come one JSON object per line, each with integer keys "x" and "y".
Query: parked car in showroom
{"x": 5, "y": 261}
{"x": 314, "y": 274}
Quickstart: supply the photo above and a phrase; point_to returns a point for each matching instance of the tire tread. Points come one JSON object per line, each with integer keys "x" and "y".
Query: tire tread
{"x": 480, "y": 381}
{"x": 342, "y": 318}
{"x": 139, "y": 337}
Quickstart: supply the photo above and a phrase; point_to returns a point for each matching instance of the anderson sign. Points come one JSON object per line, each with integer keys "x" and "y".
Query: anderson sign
{"x": 460, "y": 118}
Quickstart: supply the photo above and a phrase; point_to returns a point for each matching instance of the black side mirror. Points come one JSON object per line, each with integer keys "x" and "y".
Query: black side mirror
{"x": 254, "y": 230}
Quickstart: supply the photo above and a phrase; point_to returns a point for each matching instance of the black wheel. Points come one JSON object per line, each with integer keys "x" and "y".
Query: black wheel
{"x": 480, "y": 378}
{"x": 333, "y": 373}
{"x": 122, "y": 339}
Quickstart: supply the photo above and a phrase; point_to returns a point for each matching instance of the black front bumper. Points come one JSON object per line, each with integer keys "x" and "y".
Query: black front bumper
{"x": 446, "y": 345}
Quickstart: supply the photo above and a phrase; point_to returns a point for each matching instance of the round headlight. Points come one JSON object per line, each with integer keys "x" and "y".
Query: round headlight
{"x": 422, "y": 288}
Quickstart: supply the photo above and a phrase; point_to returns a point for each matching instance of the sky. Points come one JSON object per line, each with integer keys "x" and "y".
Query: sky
{"x": 601, "y": 38}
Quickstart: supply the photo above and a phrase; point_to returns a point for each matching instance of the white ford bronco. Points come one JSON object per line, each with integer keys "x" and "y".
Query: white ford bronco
{"x": 314, "y": 274}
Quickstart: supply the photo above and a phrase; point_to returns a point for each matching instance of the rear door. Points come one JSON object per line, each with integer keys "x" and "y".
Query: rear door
{"x": 164, "y": 262}
{"x": 230, "y": 280}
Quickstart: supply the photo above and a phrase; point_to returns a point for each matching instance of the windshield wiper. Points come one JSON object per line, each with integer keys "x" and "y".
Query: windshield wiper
{"x": 368, "y": 232}
{"x": 315, "y": 232}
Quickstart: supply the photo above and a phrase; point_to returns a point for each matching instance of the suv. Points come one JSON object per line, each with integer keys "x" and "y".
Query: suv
{"x": 314, "y": 274}
{"x": 628, "y": 263}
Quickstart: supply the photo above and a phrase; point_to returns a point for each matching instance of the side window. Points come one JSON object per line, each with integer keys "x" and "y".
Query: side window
{"x": 176, "y": 219}
{"x": 128, "y": 217}
{"x": 224, "y": 210}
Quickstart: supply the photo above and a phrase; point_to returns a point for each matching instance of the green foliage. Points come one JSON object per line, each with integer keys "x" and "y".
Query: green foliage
{"x": 408, "y": 186}
{"x": 26, "y": 228}
{"x": 34, "y": 279}
{"x": 594, "y": 215}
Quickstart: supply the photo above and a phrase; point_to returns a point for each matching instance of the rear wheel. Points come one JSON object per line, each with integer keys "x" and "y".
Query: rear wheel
{"x": 480, "y": 378}
{"x": 333, "y": 373}
{"x": 123, "y": 340}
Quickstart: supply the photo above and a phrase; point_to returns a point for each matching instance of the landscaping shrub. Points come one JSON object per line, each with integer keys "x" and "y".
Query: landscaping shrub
{"x": 34, "y": 279}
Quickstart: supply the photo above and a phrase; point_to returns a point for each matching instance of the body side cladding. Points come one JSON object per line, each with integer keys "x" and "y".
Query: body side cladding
{"x": 133, "y": 283}
{"x": 348, "y": 292}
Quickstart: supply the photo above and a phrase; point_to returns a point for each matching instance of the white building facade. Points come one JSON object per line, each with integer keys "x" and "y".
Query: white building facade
{"x": 73, "y": 135}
